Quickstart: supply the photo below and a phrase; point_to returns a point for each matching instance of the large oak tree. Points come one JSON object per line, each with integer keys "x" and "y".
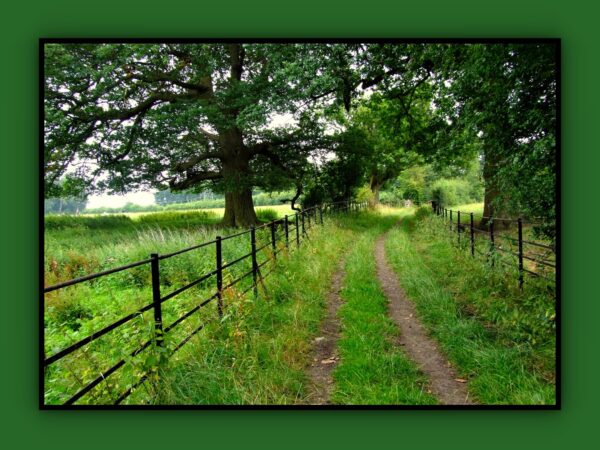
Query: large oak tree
{"x": 184, "y": 115}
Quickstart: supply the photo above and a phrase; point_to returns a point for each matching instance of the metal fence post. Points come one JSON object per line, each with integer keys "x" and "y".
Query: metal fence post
{"x": 472, "y": 238}
{"x": 219, "y": 257}
{"x": 287, "y": 233}
{"x": 308, "y": 216}
{"x": 450, "y": 220}
{"x": 520, "y": 226}
{"x": 273, "y": 239}
{"x": 458, "y": 225}
{"x": 158, "y": 328}
{"x": 321, "y": 214}
{"x": 297, "y": 232}
{"x": 303, "y": 229}
{"x": 254, "y": 263}
{"x": 492, "y": 245}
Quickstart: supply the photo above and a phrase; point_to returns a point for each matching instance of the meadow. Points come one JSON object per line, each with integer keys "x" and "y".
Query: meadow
{"x": 500, "y": 338}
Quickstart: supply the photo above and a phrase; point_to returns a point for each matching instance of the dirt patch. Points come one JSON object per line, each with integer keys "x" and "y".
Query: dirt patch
{"x": 325, "y": 356}
{"x": 444, "y": 382}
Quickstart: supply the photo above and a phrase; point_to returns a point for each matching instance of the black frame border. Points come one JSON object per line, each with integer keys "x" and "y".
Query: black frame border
{"x": 391, "y": 40}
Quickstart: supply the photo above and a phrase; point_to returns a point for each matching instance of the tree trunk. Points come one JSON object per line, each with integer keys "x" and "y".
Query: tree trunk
{"x": 239, "y": 206}
{"x": 490, "y": 206}
{"x": 239, "y": 209}
{"x": 375, "y": 185}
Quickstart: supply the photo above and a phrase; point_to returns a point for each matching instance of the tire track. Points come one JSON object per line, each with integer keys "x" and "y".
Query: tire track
{"x": 325, "y": 355}
{"x": 414, "y": 339}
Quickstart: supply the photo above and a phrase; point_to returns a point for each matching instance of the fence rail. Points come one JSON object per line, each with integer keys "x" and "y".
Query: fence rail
{"x": 493, "y": 240}
{"x": 301, "y": 223}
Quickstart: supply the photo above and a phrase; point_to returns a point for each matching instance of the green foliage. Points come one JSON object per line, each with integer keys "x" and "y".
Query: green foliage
{"x": 423, "y": 212}
{"x": 452, "y": 192}
{"x": 505, "y": 96}
{"x": 364, "y": 194}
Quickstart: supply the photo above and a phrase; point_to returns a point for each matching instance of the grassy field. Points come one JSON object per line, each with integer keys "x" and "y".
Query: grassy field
{"x": 77, "y": 246}
{"x": 501, "y": 338}
{"x": 292, "y": 310}
{"x": 281, "y": 211}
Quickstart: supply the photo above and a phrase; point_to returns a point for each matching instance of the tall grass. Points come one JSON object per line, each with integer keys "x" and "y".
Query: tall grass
{"x": 258, "y": 353}
{"x": 503, "y": 339}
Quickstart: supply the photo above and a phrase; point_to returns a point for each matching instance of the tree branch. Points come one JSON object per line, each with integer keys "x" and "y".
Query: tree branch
{"x": 193, "y": 178}
{"x": 186, "y": 165}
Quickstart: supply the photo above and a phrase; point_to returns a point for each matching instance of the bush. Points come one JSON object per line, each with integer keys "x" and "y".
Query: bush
{"x": 422, "y": 212}
{"x": 453, "y": 191}
{"x": 364, "y": 194}
{"x": 267, "y": 215}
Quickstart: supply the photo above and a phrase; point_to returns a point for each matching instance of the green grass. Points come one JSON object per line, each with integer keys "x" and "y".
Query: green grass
{"x": 218, "y": 212}
{"x": 475, "y": 208}
{"x": 259, "y": 353}
{"x": 501, "y": 338}
{"x": 373, "y": 369}
{"x": 262, "y": 334}
{"x": 73, "y": 313}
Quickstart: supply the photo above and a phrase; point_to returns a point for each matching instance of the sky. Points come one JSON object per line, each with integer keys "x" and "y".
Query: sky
{"x": 115, "y": 201}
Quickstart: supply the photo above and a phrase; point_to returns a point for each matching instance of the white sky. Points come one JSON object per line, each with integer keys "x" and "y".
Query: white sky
{"x": 115, "y": 201}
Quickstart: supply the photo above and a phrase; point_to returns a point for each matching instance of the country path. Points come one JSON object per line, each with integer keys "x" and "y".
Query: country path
{"x": 414, "y": 339}
{"x": 325, "y": 356}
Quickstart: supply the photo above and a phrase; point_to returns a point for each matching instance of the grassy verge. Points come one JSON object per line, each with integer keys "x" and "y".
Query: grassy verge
{"x": 258, "y": 354}
{"x": 78, "y": 311}
{"x": 499, "y": 337}
{"x": 373, "y": 369}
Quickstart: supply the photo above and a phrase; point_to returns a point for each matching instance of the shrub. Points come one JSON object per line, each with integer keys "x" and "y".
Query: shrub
{"x": 422, "y": 212}
{"x": 453, "y": 191}
{"x": 267, "y": 215}
{"x": 364, "y": 194}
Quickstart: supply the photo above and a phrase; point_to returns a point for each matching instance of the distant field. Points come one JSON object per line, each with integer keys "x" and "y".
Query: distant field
{"x": 475, "y": 208}
{"x": 281, "y": 209}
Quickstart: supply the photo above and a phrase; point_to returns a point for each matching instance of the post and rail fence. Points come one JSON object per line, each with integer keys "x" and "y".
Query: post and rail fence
{"x": 544, "y": 260}
{"x": 302, "y": 222}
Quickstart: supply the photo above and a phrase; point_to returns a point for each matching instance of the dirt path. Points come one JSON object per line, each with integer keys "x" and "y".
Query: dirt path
{"x": 414, "y": 339}
{"x": 325, "y": 354}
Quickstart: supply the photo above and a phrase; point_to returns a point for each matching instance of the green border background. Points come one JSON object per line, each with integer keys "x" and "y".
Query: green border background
{"x": 24, "y": 426}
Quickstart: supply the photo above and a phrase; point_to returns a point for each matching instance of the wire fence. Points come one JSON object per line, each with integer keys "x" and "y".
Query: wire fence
{"x": 498, "y": 243}
{"x": 266, "y": 242}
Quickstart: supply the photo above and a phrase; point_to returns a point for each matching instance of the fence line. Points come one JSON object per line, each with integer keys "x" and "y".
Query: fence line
{"x": 302, "y": 222}
{"x": 492, "y": 237}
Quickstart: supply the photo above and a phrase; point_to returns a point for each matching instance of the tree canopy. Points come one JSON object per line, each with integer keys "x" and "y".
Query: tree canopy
{"x": 316, "y": 117}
